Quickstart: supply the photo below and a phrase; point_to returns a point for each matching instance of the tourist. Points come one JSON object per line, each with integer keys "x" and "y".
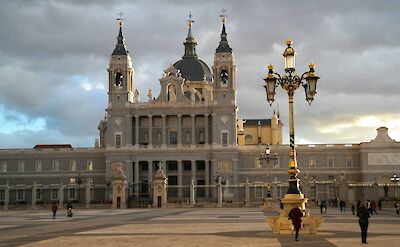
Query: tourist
{"x": 363, "y": 215}
{"x": 397, "y": 206}
{"x": 295, "y": 215}
{"x": 373, "y": 207}
{"x": 69, "y": 210}
{"x": 353, "y": 208}
{"x": 380, "y": 205}
{"x": 54, "y": 208}
{"x": 323, "y": 207}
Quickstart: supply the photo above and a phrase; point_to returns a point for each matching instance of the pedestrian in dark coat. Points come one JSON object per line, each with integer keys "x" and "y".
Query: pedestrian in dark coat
{"x": 380, "y": 205}
{"x": 295, "y": 215}
{"x": 363, "y": 215}
{"x": 54, "y": 208}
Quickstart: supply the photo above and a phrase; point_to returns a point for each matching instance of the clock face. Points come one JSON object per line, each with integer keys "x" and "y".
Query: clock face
{"x": 224, "y": 76}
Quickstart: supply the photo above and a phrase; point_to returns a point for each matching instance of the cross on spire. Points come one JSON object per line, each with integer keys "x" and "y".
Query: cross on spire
{"x": 223, "y": 15}
{"x": 120, "y": 19}
{"x": 190, "y": 21}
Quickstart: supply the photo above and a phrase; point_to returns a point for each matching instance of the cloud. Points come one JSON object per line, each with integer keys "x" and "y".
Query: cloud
{"x": 54, "y": 55}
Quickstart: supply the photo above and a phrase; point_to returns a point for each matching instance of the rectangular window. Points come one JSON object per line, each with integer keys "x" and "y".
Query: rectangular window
{"x": 72, "y": 180}
{"x": 54, "y": 194}
{"x": 331, "y": 161}
{"x": 349, "y": 162}
{"x": 72, "y": 165}
{"x": 276, "y": 163}
{"x": 71, "y": 194}
{"x": 144, "y": 166}
{"x": 118, "y": 140}
{"x": 312, "y": 162}
{"x": 39, "y": 193}
{"x": 187, "y": 165}
{"x": 224, "y": 138}
{"x": 56, "y": 166}
{"x": 3, "y": 166}
{"x": 20, "y": 194}
{"x": 21, "y": 166}
{"x": 2, "y": 195}
{"x": 259, "y": 192}
{"x": 172, "y": 166}
{"x": 38, "y": 166}
{"x": 201, "y": 166}
{"x": 173, "y": 137}
{"x": 90, "y": 165}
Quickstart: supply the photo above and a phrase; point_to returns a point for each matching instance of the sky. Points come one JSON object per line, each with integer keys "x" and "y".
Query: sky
{"x": 54, "y": 56}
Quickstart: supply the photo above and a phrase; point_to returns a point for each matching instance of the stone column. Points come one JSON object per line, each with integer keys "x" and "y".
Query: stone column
{"x": 136, "y": 180}
{"x": 34, "y": 188}
{"x": 214, "y": 134}
{"x": 206, "y": 132}
{"x": 150, "y": 172}
{"x": 179, "y": 129}
{"x": 235, "y": 171}
{"x": 194, "y": 171}
{"x": 87, "y": 194}
{"x": 108, "y": 171}
{"x": 61, "y": 195}
{"x": 213, "y": 176}
{"x": 128, "y": 130}
{"x": 129, "y": 175}
{"x": 150, "y": 130}
{"x": 247, "y": 192}
{"x": 193, "y": 129}
{"x": 207, "y": 177}
{"x": 137, "y": 130}
{"x": 192, "y": 194}
{"x": 6, "y": 196}
{"x": 164, "y": 127}
{"x": 180, "y": 178}
{"x": 219, "y": 186}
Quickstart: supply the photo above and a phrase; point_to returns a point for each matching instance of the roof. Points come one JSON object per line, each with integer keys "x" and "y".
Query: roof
{"x": 257, "y": 121}
{"x": 45, "y": 146}
{"x": 193, "y": 69}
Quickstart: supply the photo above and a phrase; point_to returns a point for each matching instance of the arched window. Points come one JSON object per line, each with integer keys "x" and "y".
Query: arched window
{"x": 119, "y": 79}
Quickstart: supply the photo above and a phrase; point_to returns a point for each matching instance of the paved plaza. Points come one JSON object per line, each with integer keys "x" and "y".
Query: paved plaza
{"x": 183, "y": 227}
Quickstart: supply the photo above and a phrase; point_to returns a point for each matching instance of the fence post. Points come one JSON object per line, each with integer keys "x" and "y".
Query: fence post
{"x": 219, "y": 186}
{"x": 247, "y": 202}
{"x": 192, "y": 194}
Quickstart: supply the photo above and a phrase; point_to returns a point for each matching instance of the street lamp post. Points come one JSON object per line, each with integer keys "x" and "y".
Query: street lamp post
{"x": 268, "y": 157}
{"x": 290, "y": 82}
{"x": 315, "y": 190}
{"x": 395, "y": 179}
{"x": 79, "y": 182}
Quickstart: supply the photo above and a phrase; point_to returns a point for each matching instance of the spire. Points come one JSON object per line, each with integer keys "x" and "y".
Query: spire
{"x": 120, "y": 48}
{"x": 223, "y": 44}
{"x": 190, "y": 43}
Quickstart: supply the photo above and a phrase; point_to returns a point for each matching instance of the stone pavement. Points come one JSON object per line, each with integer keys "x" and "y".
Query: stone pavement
{"x": 183, "y": 227}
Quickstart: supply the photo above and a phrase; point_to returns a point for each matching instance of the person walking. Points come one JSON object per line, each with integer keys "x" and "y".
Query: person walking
{"x": 295, "y": 215}
{"x": 363, "y": 215}
{"x": 397, "y": 206}
{"x": 54, "y": 208}
{"x": 373, "y": 207}
{"x": 353, "y": 208}
{"x": 380, "y": 205}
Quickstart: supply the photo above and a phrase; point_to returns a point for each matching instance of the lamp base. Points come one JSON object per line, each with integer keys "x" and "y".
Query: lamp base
{"x": 282, "y": 225}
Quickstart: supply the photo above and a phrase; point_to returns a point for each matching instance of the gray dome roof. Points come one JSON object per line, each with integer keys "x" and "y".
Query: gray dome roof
{"x": 193, "y": 69}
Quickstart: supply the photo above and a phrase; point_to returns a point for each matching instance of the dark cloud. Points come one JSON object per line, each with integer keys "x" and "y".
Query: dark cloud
{"x": 46, "y": 45}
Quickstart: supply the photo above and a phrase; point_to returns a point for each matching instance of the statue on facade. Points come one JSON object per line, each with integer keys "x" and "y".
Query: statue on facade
{"x": 149, "y": 95}
{"x": 136, "y": 96}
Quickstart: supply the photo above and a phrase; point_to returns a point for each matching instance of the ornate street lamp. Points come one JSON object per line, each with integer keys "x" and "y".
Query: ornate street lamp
{"x": 290, "y": 83}
{"x": 267, "y": 156}
{"x": 395, "y": 179}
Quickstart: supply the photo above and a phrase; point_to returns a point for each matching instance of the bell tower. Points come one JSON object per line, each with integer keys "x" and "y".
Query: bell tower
{"x": 120, "y": 73}
{"x": 224, "y": 83}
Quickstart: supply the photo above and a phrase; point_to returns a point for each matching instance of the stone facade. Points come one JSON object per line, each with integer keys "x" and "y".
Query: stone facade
{"x": 193, "y": 128}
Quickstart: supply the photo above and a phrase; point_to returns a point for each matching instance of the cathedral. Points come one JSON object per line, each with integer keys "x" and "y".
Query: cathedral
{"x": 192, "y": 133}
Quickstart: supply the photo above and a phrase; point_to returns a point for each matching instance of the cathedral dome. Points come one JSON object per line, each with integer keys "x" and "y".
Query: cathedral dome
{"x": 193, "y": 69}
{"x": 190, "y": 66}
